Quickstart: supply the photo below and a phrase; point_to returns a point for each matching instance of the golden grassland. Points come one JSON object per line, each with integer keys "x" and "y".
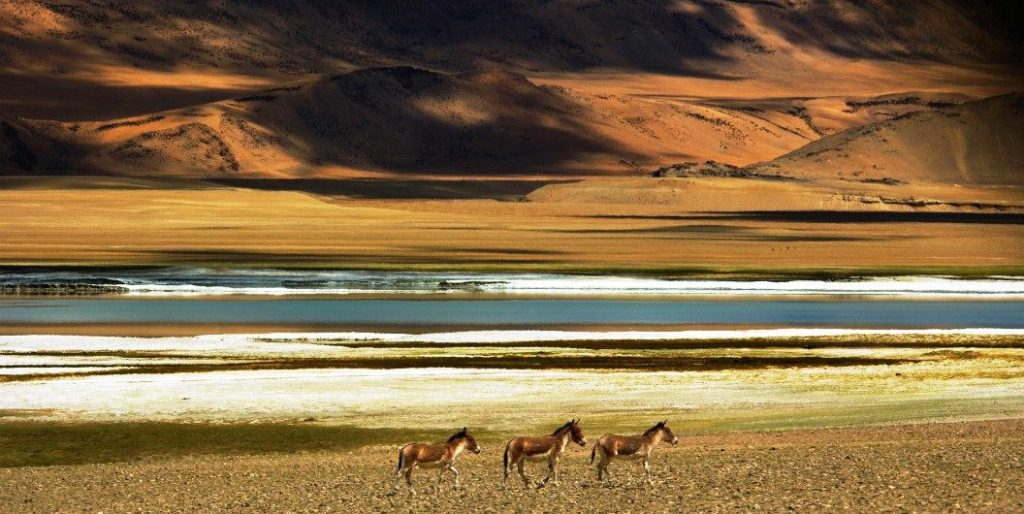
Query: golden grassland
{"x": 666, "y": 227}
{"x": 34, "y": 443}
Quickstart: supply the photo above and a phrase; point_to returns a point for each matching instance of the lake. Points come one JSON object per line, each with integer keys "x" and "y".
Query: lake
{"x": 341, "y": 311}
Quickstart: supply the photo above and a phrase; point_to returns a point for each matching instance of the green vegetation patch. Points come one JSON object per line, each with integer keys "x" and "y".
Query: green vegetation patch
{"x": 45, "y": 443}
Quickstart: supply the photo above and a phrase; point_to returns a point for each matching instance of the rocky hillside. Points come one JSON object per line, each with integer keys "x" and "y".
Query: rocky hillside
{"x": 311, "y": 88}
{"x": 409, "y": 120}
{"x": 104, "y": 59}
{"x": 973, "y": 143}
{"x": 316, "y": 36}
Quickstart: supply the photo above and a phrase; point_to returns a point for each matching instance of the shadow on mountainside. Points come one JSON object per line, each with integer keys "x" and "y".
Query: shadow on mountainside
{"x": 65, "y": 42}
{"x": 398, "y": 189}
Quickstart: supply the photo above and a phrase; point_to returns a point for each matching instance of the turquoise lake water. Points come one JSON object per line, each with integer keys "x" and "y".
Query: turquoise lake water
{"x": 328, "y": 311}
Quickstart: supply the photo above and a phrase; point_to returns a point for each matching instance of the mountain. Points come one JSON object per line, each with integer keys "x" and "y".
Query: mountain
{"x": 408, "y": 120}
{"x": 315, "y": 36}
{"x": 28, "y": 147}
{"x": 976, "y": 143}
{"x": 291, "y": 89}
{"x": 103, "y": 59}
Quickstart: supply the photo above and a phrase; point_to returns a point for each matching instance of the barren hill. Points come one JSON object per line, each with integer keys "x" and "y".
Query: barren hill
{"x": 409, "y": 120}
{"x": 973, "y": 143}
{"x": 316, "y": 36}
{"x": 103, "y": 59}
{"x": 476, "y": 88}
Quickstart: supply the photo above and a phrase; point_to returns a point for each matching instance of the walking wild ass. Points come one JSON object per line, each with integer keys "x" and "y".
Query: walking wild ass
{"x": 549, "y": 447}
{"x": 635, "y": 447}
{"x": 440, "y": 455}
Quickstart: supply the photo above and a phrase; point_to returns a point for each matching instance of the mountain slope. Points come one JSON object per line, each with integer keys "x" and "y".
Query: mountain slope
{"x": 297, "y": 88}
{"x": 974, "y": 143}
{"x": 315, "y": 36}
{"x": 105, "y": 59}
{"x": 27, "y": 147}
{"x": 412, "y": 121}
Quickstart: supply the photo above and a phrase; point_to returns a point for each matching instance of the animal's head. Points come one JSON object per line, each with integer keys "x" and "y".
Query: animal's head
{"x": 471, "y": 443}
{"x": 571, "y": 429}
{"x": 577, "y": 433}
{"x": 666, "y": 433}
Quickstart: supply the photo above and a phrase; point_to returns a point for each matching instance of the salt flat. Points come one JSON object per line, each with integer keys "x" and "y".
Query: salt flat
{"x": 387, "y": 379}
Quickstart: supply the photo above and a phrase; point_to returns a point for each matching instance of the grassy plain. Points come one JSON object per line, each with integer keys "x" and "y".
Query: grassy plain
{"x": 667, "y": 227}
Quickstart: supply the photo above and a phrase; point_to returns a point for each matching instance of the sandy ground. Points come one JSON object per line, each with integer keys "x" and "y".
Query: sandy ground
{"x": 955, "y": 467}
{"x": 600, "y": 224}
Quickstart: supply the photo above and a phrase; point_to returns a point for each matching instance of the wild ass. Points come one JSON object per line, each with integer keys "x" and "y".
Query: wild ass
{"x": 636, "y": 447}
{"x": 549, "y": 447}
{"x": 440, "y": 455}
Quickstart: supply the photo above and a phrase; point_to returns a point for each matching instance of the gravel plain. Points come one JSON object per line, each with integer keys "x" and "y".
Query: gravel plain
{"x": 940, "y": 467}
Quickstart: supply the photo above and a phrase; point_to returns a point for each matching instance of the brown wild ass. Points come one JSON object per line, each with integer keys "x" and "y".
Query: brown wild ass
{"x": 636, "y": 447}
{"x": 440, "y": 455}
{"x": 549, "y": 447}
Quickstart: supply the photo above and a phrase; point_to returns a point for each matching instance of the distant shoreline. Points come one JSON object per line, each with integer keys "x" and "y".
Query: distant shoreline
{"x": 296, "y": 330}
{"x": 666, "y": 271}
{"x": 199, "y": 282}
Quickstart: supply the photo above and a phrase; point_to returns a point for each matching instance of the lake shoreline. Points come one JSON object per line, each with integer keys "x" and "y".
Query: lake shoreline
{"x": 645, "y": 270}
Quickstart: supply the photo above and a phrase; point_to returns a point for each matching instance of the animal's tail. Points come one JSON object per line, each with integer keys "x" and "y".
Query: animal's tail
{"x": 593, "y": 453}
{"x": 401, "y": 458}
{"x": 504, "y": 458}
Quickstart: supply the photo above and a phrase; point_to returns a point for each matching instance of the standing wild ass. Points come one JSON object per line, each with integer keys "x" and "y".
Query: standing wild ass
{"x": 549, "y": 447}
{"x": 440, "y": 455}
{"x": 636, "y": 447}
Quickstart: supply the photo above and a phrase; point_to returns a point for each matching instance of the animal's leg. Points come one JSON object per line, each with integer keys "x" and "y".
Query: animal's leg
{"x": 522, "y": 472}
{"x": 456, "y": 476}
{"x": 398, "y": 479}
{"x": 647, "y": 471}
{"x": 554, "y": 471}
{"x": 551, "y": 470}
{"x": 408, "y": 479}
{"x": 440, "y": 477}
{"x": 506, "y": 466}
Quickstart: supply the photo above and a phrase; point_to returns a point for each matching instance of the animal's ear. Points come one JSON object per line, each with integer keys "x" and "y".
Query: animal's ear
{"x": 465, "y": 429}
{"x": 663, "y": 423}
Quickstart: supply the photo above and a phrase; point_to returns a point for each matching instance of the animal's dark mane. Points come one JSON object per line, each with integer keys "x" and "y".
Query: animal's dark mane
{"x": 461, "y": 434}
{"x": 655, "y": 428}
{"x": 563, "y": 427}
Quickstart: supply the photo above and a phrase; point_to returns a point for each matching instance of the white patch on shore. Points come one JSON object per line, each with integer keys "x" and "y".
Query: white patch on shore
{"x": 59, "y": 370}
{"x": 348, "y": 283}
{"x": 441, "y": 397}
{"x": 314, "y": 344}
